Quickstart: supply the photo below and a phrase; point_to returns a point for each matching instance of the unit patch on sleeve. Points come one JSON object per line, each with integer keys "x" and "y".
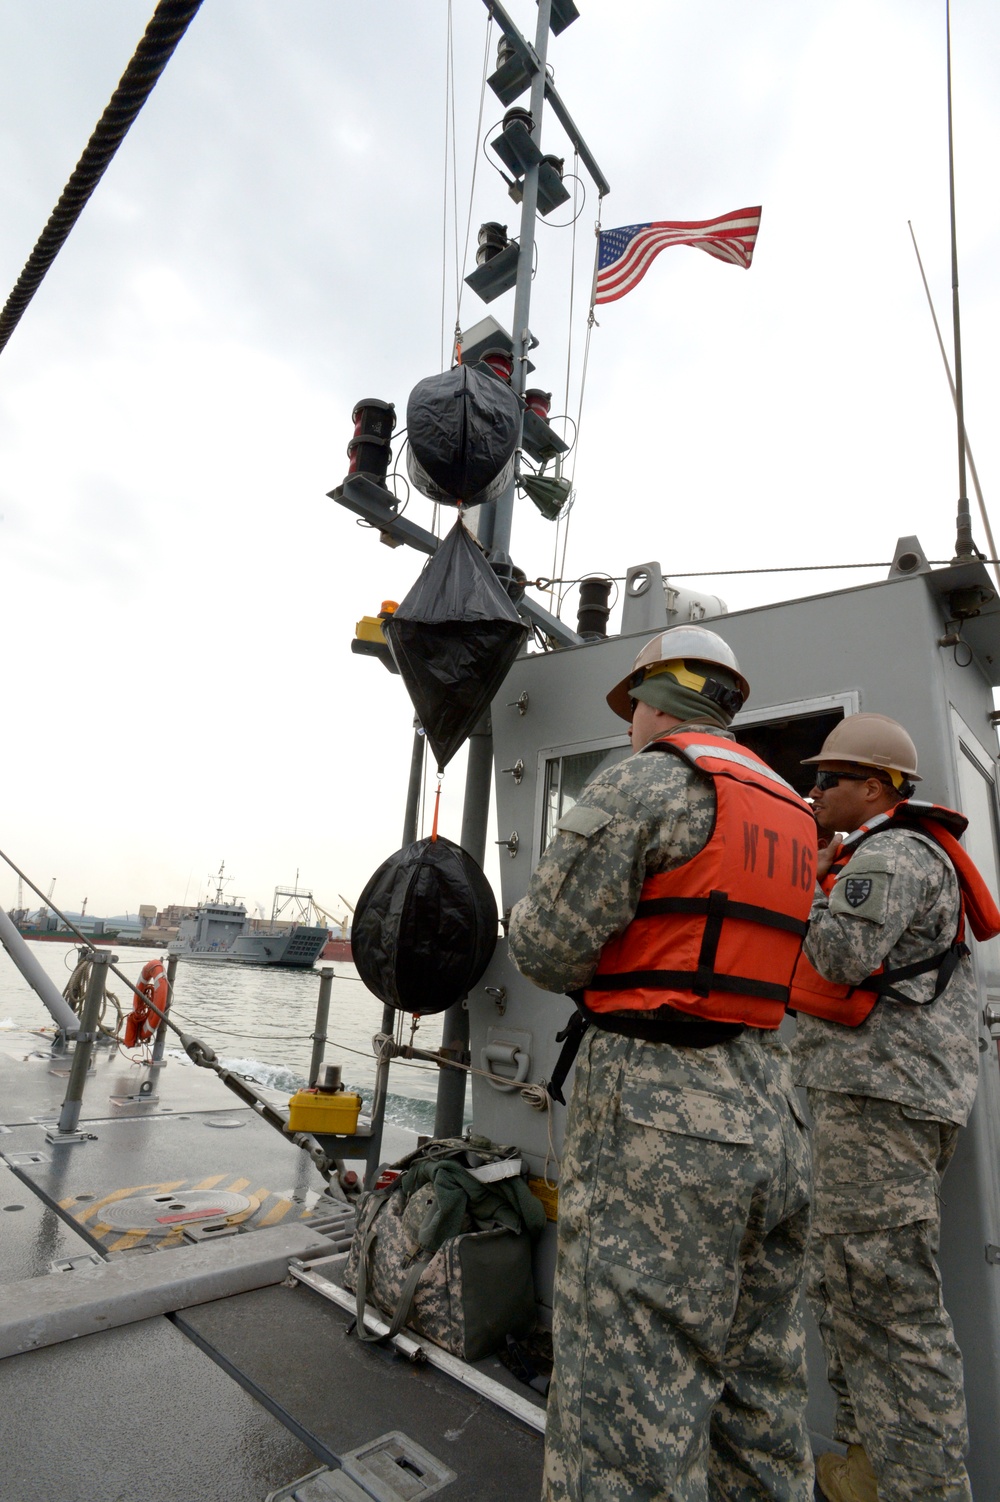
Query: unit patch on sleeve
{"x": 863, "y": 893}
{"x": 857, "y": 890}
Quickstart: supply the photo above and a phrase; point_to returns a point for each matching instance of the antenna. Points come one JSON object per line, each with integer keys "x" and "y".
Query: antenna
{"x": 965, "y": 548}
{"x": 951, "y": 384}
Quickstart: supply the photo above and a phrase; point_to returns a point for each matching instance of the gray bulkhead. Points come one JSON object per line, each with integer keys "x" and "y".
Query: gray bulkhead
{"x": 870, "y": 648}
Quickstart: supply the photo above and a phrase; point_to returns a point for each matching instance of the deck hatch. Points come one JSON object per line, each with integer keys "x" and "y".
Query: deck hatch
{"x": 394, "y": 1468}
{"x": 322, "y": 1485}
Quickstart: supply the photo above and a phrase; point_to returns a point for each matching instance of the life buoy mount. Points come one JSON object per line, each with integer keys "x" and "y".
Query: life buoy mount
{"x": 152, "y": 991}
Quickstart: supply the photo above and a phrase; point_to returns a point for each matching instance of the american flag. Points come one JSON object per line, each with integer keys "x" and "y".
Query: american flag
{"x": 624, "y": 255}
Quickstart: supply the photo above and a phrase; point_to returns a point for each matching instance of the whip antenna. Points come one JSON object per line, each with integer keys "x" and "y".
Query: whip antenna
{"x": 951, "y": 385}
{"x": 964, "y": 545}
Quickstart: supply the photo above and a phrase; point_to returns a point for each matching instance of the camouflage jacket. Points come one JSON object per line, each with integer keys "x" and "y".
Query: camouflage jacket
{"x": 925, "y": 1057}
{"x": 644, "y": 815}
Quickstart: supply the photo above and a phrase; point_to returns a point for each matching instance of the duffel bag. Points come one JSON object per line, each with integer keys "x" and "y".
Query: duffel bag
{"x": 445, "y": 1248}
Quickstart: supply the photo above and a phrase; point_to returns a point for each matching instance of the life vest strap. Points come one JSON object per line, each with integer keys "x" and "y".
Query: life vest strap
{"x": 571, "y": 1036}
{"x": 689, "y": 980}
{"x": 662, "y": 1025}
{"x": 716, "y": 908}
{"x": 745, "y": 911}
{"x": 944, "y": 963}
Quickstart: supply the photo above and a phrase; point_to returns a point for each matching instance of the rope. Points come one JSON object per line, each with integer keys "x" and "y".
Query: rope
{"x": 545, "y": 584}
{"x": 75, "y": 992}
{"x": 454, "y": 151}
{"x": 591, "y": 321}
{"x": 444, "y": 184}
{"x": 437, "y": 807}
{"x": 534, "y": 1095}
{"x": 169, "y": 22}
{"x": 572, "y": 290}
{"x": 556, "y": 565}
{"x": 472, "y": 185}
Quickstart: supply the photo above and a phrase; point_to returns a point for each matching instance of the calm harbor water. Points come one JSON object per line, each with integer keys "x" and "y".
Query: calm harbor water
{"x": 258, "y": 1021}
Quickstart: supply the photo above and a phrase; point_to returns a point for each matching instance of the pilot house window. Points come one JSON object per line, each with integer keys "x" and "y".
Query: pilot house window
{"x": 565, "y": 779}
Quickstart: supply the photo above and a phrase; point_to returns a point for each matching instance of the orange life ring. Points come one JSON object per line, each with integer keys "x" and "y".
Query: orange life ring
{"x": 152, "y": 986}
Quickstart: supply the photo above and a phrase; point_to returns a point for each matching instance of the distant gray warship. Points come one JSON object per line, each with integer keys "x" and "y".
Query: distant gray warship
{"x": 223, "y": 931}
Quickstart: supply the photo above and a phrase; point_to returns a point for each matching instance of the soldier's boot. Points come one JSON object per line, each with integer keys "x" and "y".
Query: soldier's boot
{"x": 847, "y": 1478}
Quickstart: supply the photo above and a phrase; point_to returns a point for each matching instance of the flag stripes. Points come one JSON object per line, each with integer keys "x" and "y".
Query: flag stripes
{"x": 625, "y": 254}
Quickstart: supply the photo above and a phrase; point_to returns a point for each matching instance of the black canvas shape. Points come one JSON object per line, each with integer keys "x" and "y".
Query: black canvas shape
{"x": 453, "y": 639}
{"x": 425, "y": 927}
{"x": 463, "y": 427}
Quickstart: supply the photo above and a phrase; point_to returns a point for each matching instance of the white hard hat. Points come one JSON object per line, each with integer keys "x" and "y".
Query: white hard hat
{"x": 680, "y": 644}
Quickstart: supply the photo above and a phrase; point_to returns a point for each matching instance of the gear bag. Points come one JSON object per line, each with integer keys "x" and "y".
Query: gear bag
{"x": 444, "y": 1247}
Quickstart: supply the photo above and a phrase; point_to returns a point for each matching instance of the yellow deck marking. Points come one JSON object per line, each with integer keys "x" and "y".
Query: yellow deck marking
{"x": 209, "y": 1183}
{"x": 237, "y": 1185}
{"x": 277, "y": 1212}
{"x": 122, "y": 1194}
{"x": 130, "y": 1239}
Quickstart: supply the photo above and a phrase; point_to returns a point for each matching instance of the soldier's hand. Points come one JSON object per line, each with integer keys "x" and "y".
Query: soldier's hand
{"x": 826, "y": 857}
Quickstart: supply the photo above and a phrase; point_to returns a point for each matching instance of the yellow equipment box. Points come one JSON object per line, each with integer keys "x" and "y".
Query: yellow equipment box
{"x": 324, "y": 1111}
{"x": 549, "y": 1196}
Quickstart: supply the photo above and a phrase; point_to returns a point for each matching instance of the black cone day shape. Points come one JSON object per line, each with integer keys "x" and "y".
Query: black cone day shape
{"x": 453, "y": 639}
{"x": 425, "y": 927}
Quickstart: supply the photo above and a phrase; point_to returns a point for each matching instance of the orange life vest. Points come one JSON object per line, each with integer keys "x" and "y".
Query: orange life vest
{"x": 717, "y": 938}
{"x": 850, "y": 1005}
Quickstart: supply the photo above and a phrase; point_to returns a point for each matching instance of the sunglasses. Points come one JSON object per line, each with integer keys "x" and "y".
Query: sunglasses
{"x": 827, "y": 780}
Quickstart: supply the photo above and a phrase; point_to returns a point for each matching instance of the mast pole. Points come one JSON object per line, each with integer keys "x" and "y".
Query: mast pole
{"x": 964, "y": 545}
{"x": 496, "y": 534}
{"x": 493, "y": 529}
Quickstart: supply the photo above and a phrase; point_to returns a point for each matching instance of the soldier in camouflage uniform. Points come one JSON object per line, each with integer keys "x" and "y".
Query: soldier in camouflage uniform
{"x": 684, "y": 1183}
{"x": 887, "y": 1099}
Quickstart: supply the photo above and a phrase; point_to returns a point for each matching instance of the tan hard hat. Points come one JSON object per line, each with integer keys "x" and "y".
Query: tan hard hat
{"x": 678, "y": 644}
{"x": 870, "y": 740}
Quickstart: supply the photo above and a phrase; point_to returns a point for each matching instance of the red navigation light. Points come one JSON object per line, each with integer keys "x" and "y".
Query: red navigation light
{"x": 369, "y": 450}
{"x": 501, "y": 362}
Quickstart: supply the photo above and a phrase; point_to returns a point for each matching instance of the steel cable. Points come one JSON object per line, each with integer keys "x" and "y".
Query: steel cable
{"x": 167, "y": 25}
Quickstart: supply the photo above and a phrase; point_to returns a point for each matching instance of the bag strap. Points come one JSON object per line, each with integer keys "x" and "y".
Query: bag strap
{"x": 406, "y": 1294}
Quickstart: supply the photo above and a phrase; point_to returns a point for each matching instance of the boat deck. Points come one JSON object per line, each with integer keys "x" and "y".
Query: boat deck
{"x": 152, "y": 1356}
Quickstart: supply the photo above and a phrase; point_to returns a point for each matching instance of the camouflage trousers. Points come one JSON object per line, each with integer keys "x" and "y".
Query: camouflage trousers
{"x": 875, "y": 1289}
{"x": 678, "y": 1322}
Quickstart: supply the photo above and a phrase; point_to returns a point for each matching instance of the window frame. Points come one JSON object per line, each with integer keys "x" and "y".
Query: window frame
{"x": 847, "y": 699}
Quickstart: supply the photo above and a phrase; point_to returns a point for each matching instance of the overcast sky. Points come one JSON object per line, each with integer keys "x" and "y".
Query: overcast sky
{"x": 179, "y": 596}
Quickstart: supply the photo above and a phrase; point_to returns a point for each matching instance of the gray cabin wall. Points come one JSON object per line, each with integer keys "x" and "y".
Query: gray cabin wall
{"x": 875, "y": 648}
